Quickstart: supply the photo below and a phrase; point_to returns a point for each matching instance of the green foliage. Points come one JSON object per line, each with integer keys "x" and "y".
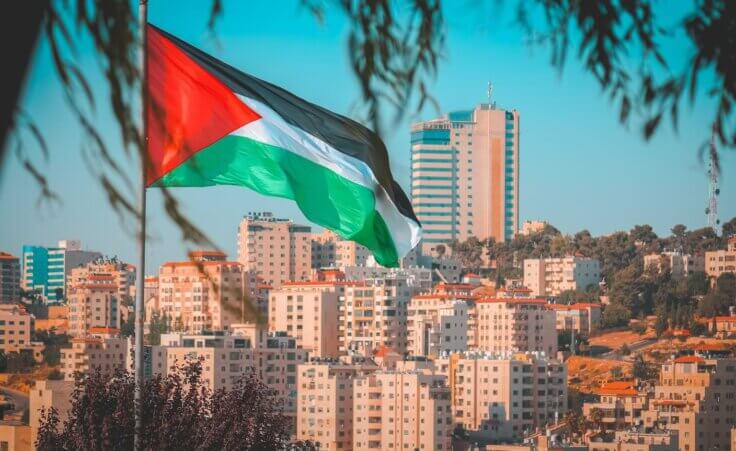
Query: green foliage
{"x": 127, "y": 329}
{"x": 52, "y": 343}
{"x": 19, "y": 362}
{"x": 639, "y": 328}
{"x": 615, "y": 315}
{"x": 624, "y": 349}
{"x": 159, "y": 324}
{"x": 643, "y": 370}
{"x": 718, "y": 300}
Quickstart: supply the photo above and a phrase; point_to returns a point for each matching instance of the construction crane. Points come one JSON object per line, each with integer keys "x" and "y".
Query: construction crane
{"x": 711, "y": 210}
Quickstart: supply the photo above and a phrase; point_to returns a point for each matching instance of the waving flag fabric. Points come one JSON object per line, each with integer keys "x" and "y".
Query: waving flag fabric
{"x": 210, "y": 124}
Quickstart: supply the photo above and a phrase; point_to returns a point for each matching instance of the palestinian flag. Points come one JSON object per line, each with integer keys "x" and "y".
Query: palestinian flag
{"x": 210, "y": 124}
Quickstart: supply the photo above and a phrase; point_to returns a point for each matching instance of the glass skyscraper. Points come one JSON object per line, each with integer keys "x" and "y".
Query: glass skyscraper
{"x": 465, "y": 175}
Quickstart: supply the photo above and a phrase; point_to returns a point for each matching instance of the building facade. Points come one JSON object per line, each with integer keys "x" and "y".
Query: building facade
{"x": 516, "y": 325}
{"x": 721, "y": 261}
{"x": 276, "y": 250}
{"x": 465, "y": 175}
{"x": 45, "y": 269}
{"x": 308, "y": 311}
{"x": 401, "y": 410}
{"x": 436, "y": 328}
{"x": 325, "y": 400}
{"x": 505, "y": 395}
{"x": 101, "y": 350}
{"x": 203, "y": 293}
{"x": 552, "y": 276}
{"x": 329, "y": 250}
{"x": 696, "y": 397}
{"x": 680, "y": 265}
{"x": 9, "y": 278}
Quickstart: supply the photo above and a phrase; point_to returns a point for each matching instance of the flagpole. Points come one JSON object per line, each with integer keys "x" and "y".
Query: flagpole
{"x": 141, "y": 271}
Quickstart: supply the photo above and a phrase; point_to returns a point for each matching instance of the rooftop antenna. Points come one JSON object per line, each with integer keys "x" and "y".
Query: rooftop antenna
{"x": 489, "y": 93}
{"x": 713, "y": 191}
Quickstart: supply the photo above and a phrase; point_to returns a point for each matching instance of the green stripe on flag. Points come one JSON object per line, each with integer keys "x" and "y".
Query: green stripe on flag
{"x": 324, "y": 197}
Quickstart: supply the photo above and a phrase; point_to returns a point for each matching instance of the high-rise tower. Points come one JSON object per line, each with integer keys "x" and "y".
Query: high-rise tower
{"x": 465, "y": 175}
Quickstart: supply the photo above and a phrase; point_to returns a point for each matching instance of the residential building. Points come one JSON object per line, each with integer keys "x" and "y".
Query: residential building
{"x": 696, "y": 397}
{"x": 329, "y": 250}
{"x": 636, "y": 440}
{"x": 533, "y": 226}
{"x": 621, "y": 404}
{"x": 46, "y": 395}
{"x": 505, "y": 395}
{"x": 516, "y": 325}
{"x": 373, "y": 314}
{"x": 227, "y": 357}
{"x": 721, "y": 261}
{"x": 123, "y": 275}
{"x": 276, "y": 250}
{"x": 203, "y": 293}
{"x": 465, "y": 175}
{"x": 309, "y": 312}
{"x": 552, "y": 276}
{"x": 9, "y": 278}
{"x": 583, "y": 318}
{"x": 45, "y": 269}
{"x": 102, "y": 349}
{"x": 418, "y": 278}
{"x": 401, "y": 410}
{"x": 15, "y": 436}
{"x": 16, "y": 325}
{"x": 724, "y": 326}
{"x": 435, "y": 328}
{"x": 325, "y": 400}
{"x": 97, "y": 294}
{"x": 679, "y": 265}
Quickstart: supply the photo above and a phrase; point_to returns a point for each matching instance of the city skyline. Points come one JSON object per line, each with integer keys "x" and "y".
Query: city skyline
{"x": 562, "y": 180}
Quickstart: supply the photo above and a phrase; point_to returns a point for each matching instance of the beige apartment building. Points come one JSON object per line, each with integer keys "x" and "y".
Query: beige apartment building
{"x": 15, "y": 436}
{"x": 505, "y": 395}
{"x": 16, "y": 325}
{"x": 45, "y": 395}
{"x": 552, "y": 276}
{"x": 276, "y": 250}
{"x": 123, "y": 275}
{"x": 465, "y": 175}
{"x": 203, "y": 293}
{"x": 325, "y": 400}
{"x": 443, "y": 293}
{"x": 516, "y": 325}
{"x": 9, "y": 278}
{"x": 397, "y": 410}
{"x": 329, "y": 250}
{"x": 273, "y": 356}
{"x": 94, "y": 301}
{"x": 373, "y": 314}
{"x": 722, "y": 261}
{"x": 697, "y": 398}
{"x": 621, "y": 403}
{"x": 583, "y": 318}
{"x": 436, "y": 328}
{"x": 101, "y": 349}
{"x": 532, "y": 227}
{"x": 309, "y": 312}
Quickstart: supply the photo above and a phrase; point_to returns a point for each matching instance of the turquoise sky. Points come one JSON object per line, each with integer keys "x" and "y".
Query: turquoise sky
{"x": 579, "y": 167}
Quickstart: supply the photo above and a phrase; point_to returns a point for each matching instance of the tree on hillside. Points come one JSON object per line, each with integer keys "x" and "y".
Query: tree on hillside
{"x": 720, "y": 298}
{"x": 643, "y": 233}
{"x": 615, "y": 315}
{"x": 178, "y": 410}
